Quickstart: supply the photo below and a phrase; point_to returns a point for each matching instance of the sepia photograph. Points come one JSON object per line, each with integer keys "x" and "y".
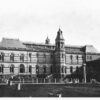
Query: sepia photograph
{"x": 49, "y": 48}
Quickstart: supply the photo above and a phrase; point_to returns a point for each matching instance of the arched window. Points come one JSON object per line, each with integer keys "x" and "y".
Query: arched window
{"x": 12, "y": 57}
{"x": 44, "y": 69}
{"x": 30, "y": 69}
{"x": 22, "y": 57}
{"x": 71, "y": 69}
{"x": 37, "y": 69}
{"x": 22, "y": 68}
{"x": 1, "y": 68}
{"x": 12, "y": 68}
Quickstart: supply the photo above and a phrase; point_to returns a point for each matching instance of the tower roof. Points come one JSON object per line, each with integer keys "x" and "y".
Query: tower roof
{"x": 47, "y": 41}
{"x": 59, "y": 35}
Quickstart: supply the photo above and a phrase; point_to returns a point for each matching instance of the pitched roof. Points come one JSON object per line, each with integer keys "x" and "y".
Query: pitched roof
{"x": 11, "y": 43}
{"x": 90, "y": 49}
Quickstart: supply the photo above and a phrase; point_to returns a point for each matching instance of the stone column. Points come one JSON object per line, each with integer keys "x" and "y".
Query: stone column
{"x": 84, "y": 72}
{"x": 44, "y": 80}
{"x": 55, "y": 81}
{"x": 19, "y": 86}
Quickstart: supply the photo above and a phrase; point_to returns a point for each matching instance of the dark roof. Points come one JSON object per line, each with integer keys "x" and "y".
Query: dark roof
{"x": 11, "y": 43}
{"x": 59, "y": 35}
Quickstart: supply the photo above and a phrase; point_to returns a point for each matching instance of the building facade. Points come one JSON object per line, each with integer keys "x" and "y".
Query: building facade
{"x": 24, "y": 58}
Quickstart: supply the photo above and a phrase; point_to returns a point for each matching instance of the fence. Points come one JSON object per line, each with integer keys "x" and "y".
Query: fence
{"x": 39, "y": 81}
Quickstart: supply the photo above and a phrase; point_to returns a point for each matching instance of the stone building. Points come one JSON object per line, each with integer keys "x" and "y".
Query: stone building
{"x": 21, "y": 58}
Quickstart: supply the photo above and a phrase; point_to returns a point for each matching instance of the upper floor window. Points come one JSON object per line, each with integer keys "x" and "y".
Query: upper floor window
{"x": 12, "y": 57}
{"x": 71, "y": 57}
{"x": 77, "y": 58}
{"x": 30, "y": 69}
{"x": 71, "y": 69}
{"x": 65, "y": 69}
{"x": 22, "y": 57}
{"x": 51, "y": 69}
{"x": 2, "y": 56}
{"x": 12, "y": 68}
{"x": 30, "y": 56}
{"x": 37, "y": 69}
{"x": 1, "y": 68}
{"x": 62, "y": 55}
{"x": 37, "y": 54}
{"x": 62, "y": 69}
{"x": 44, "y": 69}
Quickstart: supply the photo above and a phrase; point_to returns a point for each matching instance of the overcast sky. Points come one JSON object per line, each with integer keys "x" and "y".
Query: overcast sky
{"x": 33, "y": 20}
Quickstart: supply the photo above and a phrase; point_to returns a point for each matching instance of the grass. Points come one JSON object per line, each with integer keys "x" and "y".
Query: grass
{"x": 51, "y": 90}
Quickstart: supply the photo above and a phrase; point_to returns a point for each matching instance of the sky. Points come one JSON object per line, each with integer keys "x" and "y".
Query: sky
{"x": 34, "y": 20}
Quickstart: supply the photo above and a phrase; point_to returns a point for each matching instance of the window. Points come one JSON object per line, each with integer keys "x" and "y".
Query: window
{"x": 2, "y": 56}
{"x": 65, "y": 69}
{"x": 12, "y": 57}
{"x": 51, "y": 55}
{"x": 30, "y": 56}
{"x": 62, "y": 55}
{"x": 51, "y": 69}
{"x": 90, "y": 57}
{"x": 44, "y": 69}
{"x": 37, "y": 69}
{"x": 62, "y": 69}
{"x": 30, "y": 69}
{"x": 71, "y": 69}
{"x": 22, "y": 68}
{"x": 71, "y": 57}
{"x": 37, "y": 54}
{"x": 12, "y": 69}
{"x": 77, "y": 58}
{"x": 1, "y": 68}
{"x": 22, "y": 57}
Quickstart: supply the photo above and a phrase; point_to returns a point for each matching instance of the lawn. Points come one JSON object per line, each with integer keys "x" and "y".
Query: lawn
{"x": 51, "y": 90}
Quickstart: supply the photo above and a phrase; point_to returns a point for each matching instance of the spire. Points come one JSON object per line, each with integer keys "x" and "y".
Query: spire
{"x": 47, "y": 41}
{"x": 59, "y": 35}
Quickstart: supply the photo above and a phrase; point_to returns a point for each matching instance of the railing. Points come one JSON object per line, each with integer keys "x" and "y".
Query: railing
{"x": 38, "y": 81}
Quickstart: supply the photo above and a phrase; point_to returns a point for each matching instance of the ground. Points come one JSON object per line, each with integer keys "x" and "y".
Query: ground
{"x": 51, "y": 90}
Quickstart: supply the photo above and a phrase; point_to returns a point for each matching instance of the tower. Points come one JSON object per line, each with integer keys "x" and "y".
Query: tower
{"x": 47, "y": 41}
{"x": 59, "y": 54}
